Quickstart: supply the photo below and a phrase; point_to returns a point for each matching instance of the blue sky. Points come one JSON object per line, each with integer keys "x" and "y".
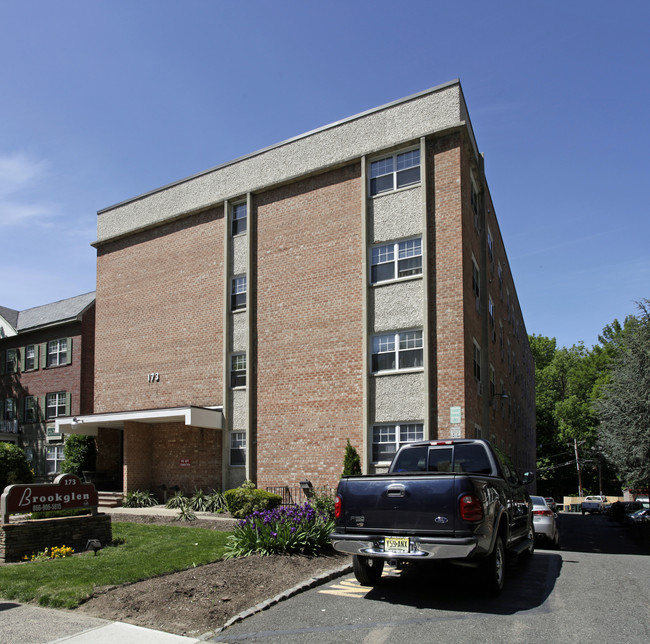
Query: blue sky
{"x": 101, "y": 101}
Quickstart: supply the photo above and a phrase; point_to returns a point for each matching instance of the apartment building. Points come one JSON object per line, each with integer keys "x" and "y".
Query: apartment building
{"x": 46, "y": 372}
{"x": 349, "y": 283}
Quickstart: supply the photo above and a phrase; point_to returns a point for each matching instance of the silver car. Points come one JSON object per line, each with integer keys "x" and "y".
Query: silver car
{"x": 544, "y": 522}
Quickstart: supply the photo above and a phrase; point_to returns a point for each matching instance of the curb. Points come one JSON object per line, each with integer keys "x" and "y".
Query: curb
{"x": 301, "y": 587}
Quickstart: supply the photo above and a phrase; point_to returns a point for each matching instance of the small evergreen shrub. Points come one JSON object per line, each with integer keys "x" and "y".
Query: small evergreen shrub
{"x": 351, "y": 461}
{"x": 247, "y": 499}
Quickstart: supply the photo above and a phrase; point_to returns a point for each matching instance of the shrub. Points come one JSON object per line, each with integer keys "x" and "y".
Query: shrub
{"x": 177, "y": 501}
{"x": 293, "y": 529}
{"x": 247, "y": 499}
{"x": 324, "y": 503}
{"x": 79, "y": 454}
{"x": 14, "y": 466}
{"x": 351, "y": 461}
{"x": 139, "y": 499}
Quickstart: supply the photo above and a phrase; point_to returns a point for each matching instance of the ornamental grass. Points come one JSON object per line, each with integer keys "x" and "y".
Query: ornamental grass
{"x": 285, "y": 530}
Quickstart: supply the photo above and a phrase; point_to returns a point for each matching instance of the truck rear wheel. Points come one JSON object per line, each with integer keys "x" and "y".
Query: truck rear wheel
{"x": 493, "y": 568}
{"x": 367, "y": 570}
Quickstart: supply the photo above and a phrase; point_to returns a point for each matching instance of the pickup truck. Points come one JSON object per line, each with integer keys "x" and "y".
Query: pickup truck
{"x": 455, "y": 500}
{"x": 593, "y": 504}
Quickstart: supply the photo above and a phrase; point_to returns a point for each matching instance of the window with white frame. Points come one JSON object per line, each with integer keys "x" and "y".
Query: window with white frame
{"x": 9, "y": 409}
{"x": 387, "y": 439}
{"x": 57, "y": 352}
{"x": 238, "y": 448}
{"x": 57, "y": 404}
{"x": 239, "y": 218}
{"x": 54, "y": 458}
{"x": 11, "y": 361}
{"x": 397, "y": 351}
{"x": 30, "y": 357}
{"x": 238, "y": 370}
{"x": 238, "y": 293}
{"x": 396, "y": 171}
{"x": 396, "y": 260}
{"x": 30, "y": 412}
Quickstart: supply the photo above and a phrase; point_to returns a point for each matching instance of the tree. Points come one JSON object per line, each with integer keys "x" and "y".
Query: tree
{"x": 79, "y": 454}
{"x": 624, "y": 407}
{"x": 351, "y": 461}
{"x": 14, "y": 466}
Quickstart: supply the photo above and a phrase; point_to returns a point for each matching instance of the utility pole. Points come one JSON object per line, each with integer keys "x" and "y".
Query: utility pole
{"x": 575, "y": 446}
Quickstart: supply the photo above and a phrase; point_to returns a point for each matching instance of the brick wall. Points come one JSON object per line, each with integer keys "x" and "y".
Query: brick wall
{"x": 30, "y": 537}
{"x": 159, "y": 310}
{"x": 447, "y": 301}
{"x": 309, "y": 328}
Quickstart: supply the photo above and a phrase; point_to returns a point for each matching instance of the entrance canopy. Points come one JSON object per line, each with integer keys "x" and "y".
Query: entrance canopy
{"x": 204, "y": 417}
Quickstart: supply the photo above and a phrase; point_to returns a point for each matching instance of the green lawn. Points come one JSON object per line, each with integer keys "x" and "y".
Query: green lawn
{"x": 147, "y": 551}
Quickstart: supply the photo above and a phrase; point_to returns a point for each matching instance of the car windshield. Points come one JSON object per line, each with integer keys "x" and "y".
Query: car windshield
{"x": 538, "y": 500}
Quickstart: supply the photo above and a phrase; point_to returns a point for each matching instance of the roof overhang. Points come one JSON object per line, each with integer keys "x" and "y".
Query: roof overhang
{"x": 203, "y": 417}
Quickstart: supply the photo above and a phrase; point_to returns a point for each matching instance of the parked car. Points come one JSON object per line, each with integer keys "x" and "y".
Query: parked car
{"x": 620, "y": 509}
{"x": 551, "y": 503}
{"x": 591, "y": 504}
{"x": 640, "y": 516}
{"x": 544, "y": 522}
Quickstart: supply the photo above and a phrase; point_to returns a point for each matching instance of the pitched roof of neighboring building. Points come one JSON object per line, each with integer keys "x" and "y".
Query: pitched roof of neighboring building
{"x": 48, "y": 314}
{"x": 9, "y": 315}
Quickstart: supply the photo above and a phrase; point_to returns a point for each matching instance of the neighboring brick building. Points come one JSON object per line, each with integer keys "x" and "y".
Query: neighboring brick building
{"x": 349, "y": 283}
{"x": 47, "y": 358}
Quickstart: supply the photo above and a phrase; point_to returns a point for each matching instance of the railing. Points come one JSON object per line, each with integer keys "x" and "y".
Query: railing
{"x": 9, "y": 426}
{"x": 294, "y": 495}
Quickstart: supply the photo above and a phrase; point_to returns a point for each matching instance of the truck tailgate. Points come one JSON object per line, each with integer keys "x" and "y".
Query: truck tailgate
{"x": 424, "y": 504}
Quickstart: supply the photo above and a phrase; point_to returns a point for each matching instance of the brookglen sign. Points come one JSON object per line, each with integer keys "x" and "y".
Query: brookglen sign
{"x": 66, "y": 493}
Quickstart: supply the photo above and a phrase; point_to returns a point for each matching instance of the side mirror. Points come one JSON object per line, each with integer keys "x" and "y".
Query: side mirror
{"x": 528, "y": 477}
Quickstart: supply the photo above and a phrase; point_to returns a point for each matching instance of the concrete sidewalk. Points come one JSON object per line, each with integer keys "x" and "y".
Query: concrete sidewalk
{"x": 35, "y": 625}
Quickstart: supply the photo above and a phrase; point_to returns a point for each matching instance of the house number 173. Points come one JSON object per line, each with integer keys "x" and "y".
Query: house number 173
{"x": 154, "y": 377}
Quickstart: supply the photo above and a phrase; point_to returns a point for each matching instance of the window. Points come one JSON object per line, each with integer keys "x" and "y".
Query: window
{"x": 30, "y": 414}
{"x": 477, "y": 362}
{"x": 500, "y": 279}
{"x": 474, "y": 197}
{"x": 9, "y": 409}
{"x": 238, "y": 293}
{"x": 493, "y": 383}
{"x": 387, "y": 439}
{"x": 490, "y": 248}
{"x": 30, "y": 358}
{"x": 476, "y": 283}
{"x": 396, "y": 260}
{"x": 238, "y": 448}
{"x": 491, "y": 318}
{"x": 54, "y": 458}
{"x": 57, "y": 404}
{"x": 11, "y": 361}
{"x": 57, "y": 352}
{"x": 396, "y": 171}
{"x": 239, "y": 219}
{"x": 238, "y": 370}
{"x": 396, "y": 351}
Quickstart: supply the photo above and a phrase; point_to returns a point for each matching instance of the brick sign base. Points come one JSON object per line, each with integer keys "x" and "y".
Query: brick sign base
{"x": 29, "y": 537}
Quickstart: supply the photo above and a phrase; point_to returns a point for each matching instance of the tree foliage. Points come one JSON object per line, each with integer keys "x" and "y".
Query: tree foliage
{"x": 624, "y": 406}
{"x": 14, "y": 466}
{"x": 79, "y": 453}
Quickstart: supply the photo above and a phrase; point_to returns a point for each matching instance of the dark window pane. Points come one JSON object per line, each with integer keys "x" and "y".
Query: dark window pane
{"x": 381, "y": 184}
{"x": 238, "y": 301}
{"x": 238, "y": 379}
{"x": 410, "y": 358}
{"x": 408, "y": 176}
{"x": 383, "y": 361}
{"x": 383, "y": 452}
{"x": 383, "y": 272}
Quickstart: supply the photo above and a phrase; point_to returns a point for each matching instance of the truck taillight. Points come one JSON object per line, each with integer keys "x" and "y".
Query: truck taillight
{"x": 471, "y": 508}
{"x": 337, "y": 507}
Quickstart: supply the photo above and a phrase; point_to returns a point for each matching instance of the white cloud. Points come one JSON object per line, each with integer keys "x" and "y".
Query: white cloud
{"x": 21, "y": 179}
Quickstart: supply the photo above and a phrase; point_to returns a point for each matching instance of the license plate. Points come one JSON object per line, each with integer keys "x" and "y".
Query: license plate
{"x": 397, "y": 544}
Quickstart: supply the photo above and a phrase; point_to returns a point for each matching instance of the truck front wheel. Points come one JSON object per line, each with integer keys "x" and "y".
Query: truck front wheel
{"x": 367, "y": 570}
{"x": 493, "y": 569}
